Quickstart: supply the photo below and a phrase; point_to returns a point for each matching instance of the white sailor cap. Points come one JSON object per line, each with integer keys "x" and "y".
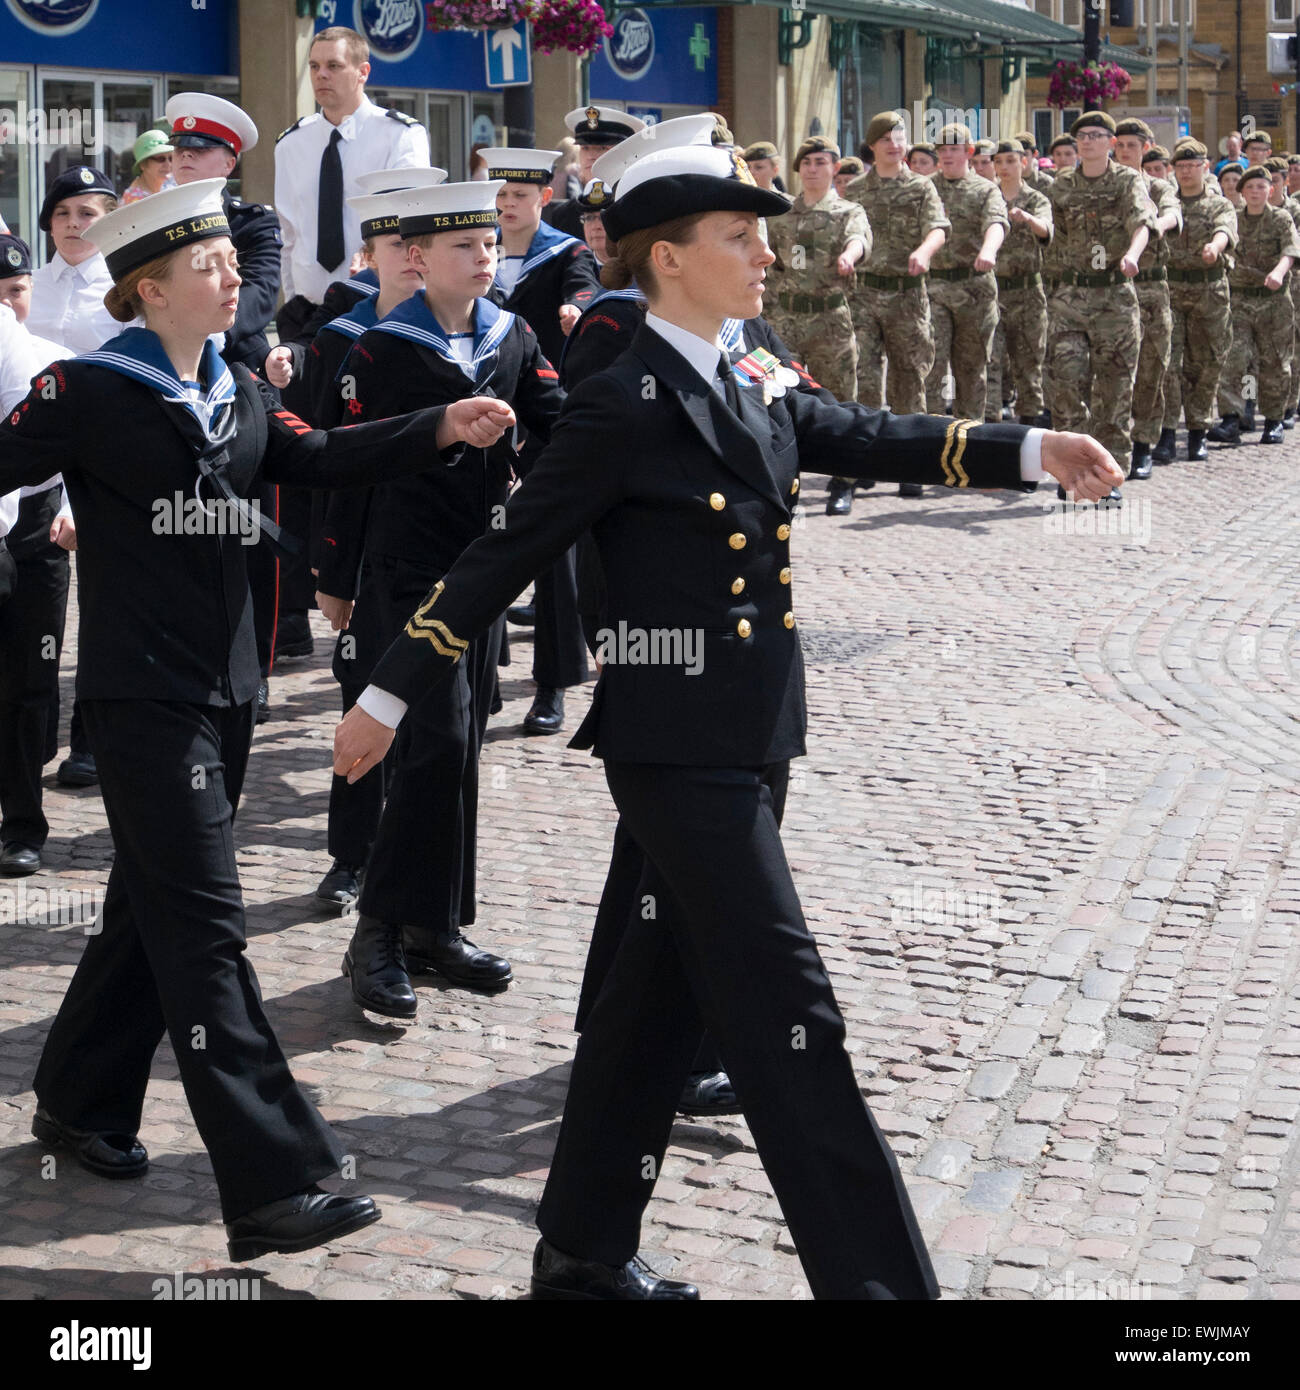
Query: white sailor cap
{"x": 447, "y": 207}
{"x": 601, "y": 125}
{"x": 200, "y": 119}
{"x": 691, "y": 178}
{"x": 164, "y": 221}
{"x": 519, "y": 165}
{"x": 390, "y": 180}
{"x": 664, "y": 135}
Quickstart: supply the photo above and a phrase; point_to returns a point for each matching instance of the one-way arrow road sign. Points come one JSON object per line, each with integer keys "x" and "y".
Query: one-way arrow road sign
{"x": 508, "y": 56}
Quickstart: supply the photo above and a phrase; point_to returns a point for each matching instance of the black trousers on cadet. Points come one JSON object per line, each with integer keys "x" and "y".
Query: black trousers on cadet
{"x": 31, "y": 640}
{"x": 726, "y": 948}
{"x": 559, "y": 651}
{"x": 170, "y": 957}
{"x": 422, "y": 867}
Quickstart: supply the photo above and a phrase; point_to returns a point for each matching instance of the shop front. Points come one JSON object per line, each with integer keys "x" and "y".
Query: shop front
{"x": 80, "y": 79}
{"x": 658, "y": 63}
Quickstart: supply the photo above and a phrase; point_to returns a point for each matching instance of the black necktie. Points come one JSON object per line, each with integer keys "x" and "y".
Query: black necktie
{"x": 729, "y": 387}
{"x": 329, "y": 206}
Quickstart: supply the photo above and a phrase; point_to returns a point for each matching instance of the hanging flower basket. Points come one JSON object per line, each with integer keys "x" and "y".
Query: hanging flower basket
{"x": 1086, "y": 84}
{"x": 576, "y": 25}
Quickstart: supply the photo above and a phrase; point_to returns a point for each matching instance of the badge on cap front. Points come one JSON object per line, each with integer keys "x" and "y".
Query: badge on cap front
{"x": 14, "y": 256}
{"x": 596, "y": 192}
{"x": 87, "y": 176}
{"x": 592, "y": 114}
{"x": 189, "y": 123}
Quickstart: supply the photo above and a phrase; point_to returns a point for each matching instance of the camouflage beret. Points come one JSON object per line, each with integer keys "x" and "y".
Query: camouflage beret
{"x": 1130, "y": 125}
{"x": 760, "y": 149}
{"x": 850, "y": 164}
{"x": 1016, "y": 146}
{"x": 1094, "y": 118}
{"x": 1256, "y": 171}
{"x": 815, "y": 144}
{"x": 1276, "y": 165}
{"x": 881, "y": 124}
{"x": 1063, "y": 139}
{"x": 1027, "y": 139}
{"x": 1257, "y": 137}
{"x": 1157, "y": 154}
{"x": 925, "y": 147}
{"x": 955, "y": 134}
{"x": 986, "y": 146}
{"x": 1188, "y": 148}
{"x": 1233, "y": 166}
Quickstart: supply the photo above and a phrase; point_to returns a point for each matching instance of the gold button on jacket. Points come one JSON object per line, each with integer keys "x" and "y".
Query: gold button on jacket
{"x": 717, "y": 501}
{"x": 743, "y": 627}
{"x": 738, "y": 586}
{"x": 737, "y": 540}
{"x": 794, "y": 487}
{"x": 789, "y": 620}
{"x": 785, "y": 575}
{"x": 783, "y": 532}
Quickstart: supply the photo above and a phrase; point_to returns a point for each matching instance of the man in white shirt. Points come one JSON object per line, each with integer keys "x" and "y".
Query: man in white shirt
{"x": 319, "y": 158}
{"x": 68, "y": 293}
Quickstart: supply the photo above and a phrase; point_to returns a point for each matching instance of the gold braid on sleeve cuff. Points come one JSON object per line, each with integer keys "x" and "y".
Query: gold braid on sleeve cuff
{"x": 444, "y": 641}
{"x": 954, "y": 446}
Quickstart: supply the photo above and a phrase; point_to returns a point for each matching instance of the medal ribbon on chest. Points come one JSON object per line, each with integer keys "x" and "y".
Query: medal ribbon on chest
{"x": 764, "y": 368}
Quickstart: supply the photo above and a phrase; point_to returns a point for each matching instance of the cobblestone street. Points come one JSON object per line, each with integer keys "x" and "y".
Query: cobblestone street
{"x": 1046, "y": 835}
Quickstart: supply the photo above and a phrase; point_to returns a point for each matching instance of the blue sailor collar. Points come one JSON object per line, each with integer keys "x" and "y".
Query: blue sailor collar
{"x": 732, "y": 332}
{"x": 547, "y": 243}
{"x": 362, "y": 315}
{"x": 138, "y": 353}
{"x": 414, "y": 320}
{"x": 364, "y": 280}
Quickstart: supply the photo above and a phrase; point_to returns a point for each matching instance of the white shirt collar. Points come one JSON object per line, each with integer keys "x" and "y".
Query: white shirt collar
{"x": 703, "y": 355}
{"x": 347, "y": 127}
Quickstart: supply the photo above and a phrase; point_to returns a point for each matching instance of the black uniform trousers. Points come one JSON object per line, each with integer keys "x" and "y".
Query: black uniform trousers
{"x": 422, "y": 866}
{"x": 264, "y": 582}
{"x": 559, "y": 652}
{"x": 31, "y": 640}
{"x": 718, "y": 940}
{"x": 169, "y": 956}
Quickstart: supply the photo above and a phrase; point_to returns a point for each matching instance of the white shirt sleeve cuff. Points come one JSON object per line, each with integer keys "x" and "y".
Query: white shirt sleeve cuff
{"x": 1031, "y": 457}
{"x": 380, "y": 705}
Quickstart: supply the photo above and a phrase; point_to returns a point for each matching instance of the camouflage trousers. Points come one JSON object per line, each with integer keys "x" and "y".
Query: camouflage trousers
{"x": 1092, "y": 350}
{"x": 1155, "y": 327}
{"x": 1202, "y": 333}
{"x": 1294, "y": 398}
{"x": 1262, "y": 329}
{"x": 1018, "y": 349}
{"x": 893, "y": 325}
{"x": 825, "y": 343}
{"x": 964, "y": 316}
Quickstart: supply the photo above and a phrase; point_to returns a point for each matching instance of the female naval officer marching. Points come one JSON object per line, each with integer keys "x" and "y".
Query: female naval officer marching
{"x": 167, "y": 678}
{"x": 688, "y": 477}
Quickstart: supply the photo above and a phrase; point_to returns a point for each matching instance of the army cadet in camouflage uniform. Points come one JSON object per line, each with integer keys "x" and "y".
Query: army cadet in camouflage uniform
{"x": 1102, "y": 220}
{"x": 923, "y": 158}
{"x": 891, "y": 312}
{"x": 1133, "y": 138}
{"x": 963, "y": 293}
{"x": 1156, "y": 163}
{"x": 1263, "y": 316}
{"x": 1064, "y": 152}
{"x": 982, "y": 159}
{"x": 1030, "y": 174}
{"x": 1022, "y": 304}
{"x": 1199, "y": 261}
{"x": 817, "y": 246}
{"x": 850, "y": 168}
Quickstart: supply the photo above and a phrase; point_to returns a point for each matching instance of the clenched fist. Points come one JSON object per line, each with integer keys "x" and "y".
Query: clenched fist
{"x": 1082, "y": 467}
{"x": 478, "y": 421}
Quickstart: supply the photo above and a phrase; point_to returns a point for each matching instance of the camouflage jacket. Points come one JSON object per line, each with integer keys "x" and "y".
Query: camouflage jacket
{"x": 973, "y": 205}
{"x": 809, "y": 240}
{"x": 902, "y": 211}
{"x": 1022, "y": 251}
{"x": 1094, "y": 219}
{"x": 1263, "y": 241}
{"x": 1164, "y": 198}
{"x": 1203, "y": 216}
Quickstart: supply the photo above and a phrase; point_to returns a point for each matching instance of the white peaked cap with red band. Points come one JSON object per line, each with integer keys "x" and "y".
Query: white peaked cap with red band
{"x": 198, "y": 118}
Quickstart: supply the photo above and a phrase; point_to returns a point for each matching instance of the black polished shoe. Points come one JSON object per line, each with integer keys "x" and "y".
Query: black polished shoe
{"x": 1165, "y": 446}
{"x": 1227, "y": 431}
{"x": 17, "y": 860}
{"x": 341, "y": 886}
{"x": 263, "y": 701}
{"x": 911, "y": 490}
{"x": 1288, "y": 420}
{"x": 293, "y": 637}
{"x": 1141, "y": 460}
{"x": 708, "y": 1093}
{"x": 560, "y": 1276}
{"x": 376, "y": 965}
{"x": 547, "y": 713}
{"x": 1272, "y": 432}
{"x": 839, "y": 498}
{"x": 1248, "y": 418}
{"x": 522, "y": 615}
{"x": 460, "y": 961}
{"x": 102, "y": 1152}
{"x": 1114, "y": 498}
{"x": 1197, "y": 452}
{"x": 300, "y": 1222}
{"x": 77, "y": 770}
